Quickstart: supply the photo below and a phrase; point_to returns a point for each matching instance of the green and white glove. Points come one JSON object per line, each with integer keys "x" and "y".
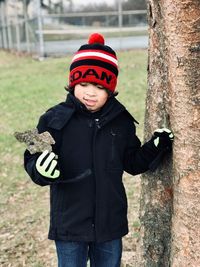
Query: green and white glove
{"x": 163, "y": 138}
{"x": 46, "y": 165}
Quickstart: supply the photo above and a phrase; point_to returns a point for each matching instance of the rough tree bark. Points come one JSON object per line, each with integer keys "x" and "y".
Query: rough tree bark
{"x": 170, "y": 198}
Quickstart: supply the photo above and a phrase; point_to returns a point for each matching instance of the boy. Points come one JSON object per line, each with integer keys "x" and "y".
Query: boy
{"x": 95, "y": 142}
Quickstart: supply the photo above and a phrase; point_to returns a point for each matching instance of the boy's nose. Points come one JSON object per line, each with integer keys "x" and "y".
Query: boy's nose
{"x": 91, "y": 91}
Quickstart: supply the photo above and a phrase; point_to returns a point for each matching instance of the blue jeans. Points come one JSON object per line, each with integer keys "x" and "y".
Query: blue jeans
{"x": 76, "y": 254}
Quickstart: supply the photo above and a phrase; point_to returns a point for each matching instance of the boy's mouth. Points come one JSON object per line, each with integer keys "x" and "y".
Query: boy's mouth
{"x": 89, "y": 102}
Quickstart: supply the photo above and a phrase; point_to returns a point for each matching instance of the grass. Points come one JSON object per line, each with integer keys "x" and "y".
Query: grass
{"x": 28, "y": 88}
{"x": 63, "y": 37}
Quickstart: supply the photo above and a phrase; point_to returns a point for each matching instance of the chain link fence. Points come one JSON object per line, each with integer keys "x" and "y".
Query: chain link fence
{"x": 58, "y": 34}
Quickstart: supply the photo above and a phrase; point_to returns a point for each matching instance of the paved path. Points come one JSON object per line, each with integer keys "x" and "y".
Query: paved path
{"x": 67, "y": 47}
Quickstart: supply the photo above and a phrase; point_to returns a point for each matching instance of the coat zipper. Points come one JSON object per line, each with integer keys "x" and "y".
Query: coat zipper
{"x": 97, "y": 124}
{"x": 112, "y": 145}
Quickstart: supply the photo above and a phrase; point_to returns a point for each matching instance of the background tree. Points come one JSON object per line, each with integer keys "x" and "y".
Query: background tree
{"x": 134, "y": 5}
{"x": 170, "y": 206}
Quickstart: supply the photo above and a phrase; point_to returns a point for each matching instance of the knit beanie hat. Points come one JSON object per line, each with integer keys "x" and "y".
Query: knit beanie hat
{"x": 94, "y": 62}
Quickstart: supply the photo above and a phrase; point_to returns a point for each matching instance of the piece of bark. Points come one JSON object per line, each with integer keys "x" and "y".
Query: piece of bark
{"x": 34, "y": 141}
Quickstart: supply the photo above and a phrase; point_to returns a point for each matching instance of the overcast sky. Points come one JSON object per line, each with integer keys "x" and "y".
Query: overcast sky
{"x": 86, "y": 2}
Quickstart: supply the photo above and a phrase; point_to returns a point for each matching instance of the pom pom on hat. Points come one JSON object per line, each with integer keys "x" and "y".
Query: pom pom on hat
{"x": 96, "y": 38}
{"x": 94, "y": 62}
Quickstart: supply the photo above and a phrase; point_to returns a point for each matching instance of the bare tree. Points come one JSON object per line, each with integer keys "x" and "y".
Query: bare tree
{"x": 134, "y": 4}
{"x": 58, "y": 6}
{"x": 170, "y": 209}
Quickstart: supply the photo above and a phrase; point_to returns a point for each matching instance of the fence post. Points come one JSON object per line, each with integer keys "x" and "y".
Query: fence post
{"x": 120, "y": 22}
{"x": 1, "y": 40}
{"x": 120, "y": 18}
{"x": 1, "y": 37}
{"x": 17, "y": 27}
{"x": 26, "y": 26}
{"x": 8, "y": 26}
{"x": 10, "y": 42}
{"x": 40, "y": 32}
{"x": 4, "y": 35}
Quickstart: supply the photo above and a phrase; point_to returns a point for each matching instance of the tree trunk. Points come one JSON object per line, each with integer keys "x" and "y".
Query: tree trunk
{"x": 170, "y": 209}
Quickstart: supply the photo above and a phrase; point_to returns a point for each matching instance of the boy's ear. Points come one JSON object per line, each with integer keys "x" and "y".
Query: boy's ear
{"x": 69, "y": 89}
{"x": 111, "y": 94}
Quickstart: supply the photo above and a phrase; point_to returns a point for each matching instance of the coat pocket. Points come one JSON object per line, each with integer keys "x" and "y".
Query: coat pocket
{"x": 115, "y": 151}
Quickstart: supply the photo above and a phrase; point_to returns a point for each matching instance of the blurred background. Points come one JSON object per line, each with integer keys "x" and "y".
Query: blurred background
{"x": 57, "y": 27}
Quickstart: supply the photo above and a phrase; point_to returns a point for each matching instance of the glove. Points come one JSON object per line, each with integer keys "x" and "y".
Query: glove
{"x": 163, "y": 138}
{"x": 46, "y": 165}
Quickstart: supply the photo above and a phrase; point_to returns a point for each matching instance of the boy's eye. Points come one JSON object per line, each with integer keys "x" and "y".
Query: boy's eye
{"x": 83, "y": 84}
{"x": 100, "y": 86}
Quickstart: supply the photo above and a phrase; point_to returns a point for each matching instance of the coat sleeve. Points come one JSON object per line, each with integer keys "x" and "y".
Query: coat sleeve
{"x": 139, "y": 158}
{"x": 30, "y": 159}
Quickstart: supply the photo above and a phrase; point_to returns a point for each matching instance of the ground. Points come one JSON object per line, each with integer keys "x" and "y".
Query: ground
{"x": 28, "y": 88}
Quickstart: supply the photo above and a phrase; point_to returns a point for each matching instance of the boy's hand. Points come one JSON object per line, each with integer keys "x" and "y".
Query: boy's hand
{"x": 163, "y": 138}
{"x": 46, "y": 165}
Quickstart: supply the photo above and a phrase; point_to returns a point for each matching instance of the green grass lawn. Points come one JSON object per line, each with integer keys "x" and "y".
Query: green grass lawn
{"x": 28, "y": 88}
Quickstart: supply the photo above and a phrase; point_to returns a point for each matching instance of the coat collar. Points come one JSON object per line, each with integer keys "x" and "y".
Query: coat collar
{"x": 60, "y": 114}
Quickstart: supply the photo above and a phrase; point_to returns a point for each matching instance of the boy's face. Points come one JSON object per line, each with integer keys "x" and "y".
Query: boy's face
{"x": 93, "y": 96}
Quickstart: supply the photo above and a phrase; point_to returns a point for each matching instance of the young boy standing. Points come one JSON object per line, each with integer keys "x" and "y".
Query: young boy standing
{"x": 95, "y": 142}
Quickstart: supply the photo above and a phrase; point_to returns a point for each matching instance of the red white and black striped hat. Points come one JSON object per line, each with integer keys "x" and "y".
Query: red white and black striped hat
{"x": 94, "y": 62}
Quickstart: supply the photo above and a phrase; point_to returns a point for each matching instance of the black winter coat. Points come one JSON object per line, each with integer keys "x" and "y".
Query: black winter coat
{"x": 88, "y": 201}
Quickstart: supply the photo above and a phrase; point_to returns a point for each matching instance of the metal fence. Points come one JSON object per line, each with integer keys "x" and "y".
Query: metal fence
{"x": 52, "y": 34}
